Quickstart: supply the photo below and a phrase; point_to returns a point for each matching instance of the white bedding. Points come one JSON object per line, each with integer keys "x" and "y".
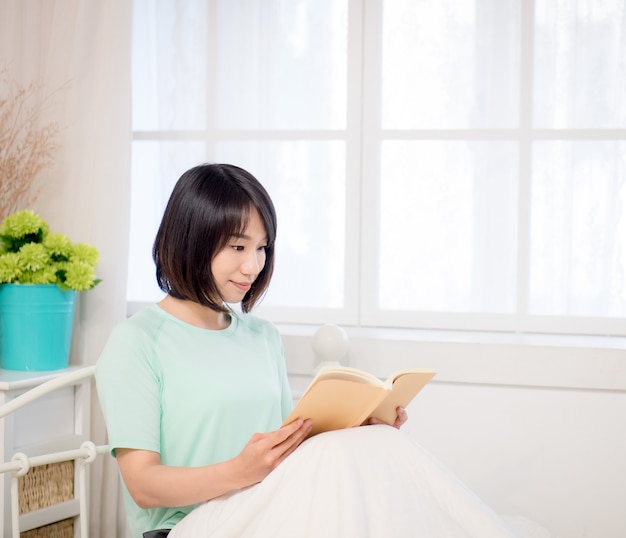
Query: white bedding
{"x": 372, "y": 481}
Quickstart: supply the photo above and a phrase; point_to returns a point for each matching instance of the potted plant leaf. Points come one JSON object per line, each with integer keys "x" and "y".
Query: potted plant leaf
{"x": 40, "y": 274}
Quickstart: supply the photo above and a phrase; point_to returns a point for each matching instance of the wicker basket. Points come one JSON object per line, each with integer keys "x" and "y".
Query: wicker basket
{"x": 60, "y": 529}
{"x": 45, "y": 486}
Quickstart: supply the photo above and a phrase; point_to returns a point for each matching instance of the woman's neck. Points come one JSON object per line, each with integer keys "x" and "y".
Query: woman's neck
{"x": 195, "y": 314}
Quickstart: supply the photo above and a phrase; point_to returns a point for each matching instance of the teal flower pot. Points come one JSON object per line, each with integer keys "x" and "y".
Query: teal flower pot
{"x": 35, "y": 326}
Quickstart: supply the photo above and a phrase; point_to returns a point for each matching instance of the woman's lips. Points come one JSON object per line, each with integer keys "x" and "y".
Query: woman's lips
{"x": 243, "y": 286}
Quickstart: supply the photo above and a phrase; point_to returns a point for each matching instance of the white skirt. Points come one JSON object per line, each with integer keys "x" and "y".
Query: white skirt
{"x": 372, "y": 481}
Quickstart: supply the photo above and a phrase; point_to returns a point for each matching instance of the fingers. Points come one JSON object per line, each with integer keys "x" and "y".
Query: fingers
{"x": 282, "y": 442}
{"x": 265, "y": 451}
{"x": 401, "y": 418}
{"x": 292, "y": 442}
{"x": 294, "y": 435}
{"x": 297, "y": 427}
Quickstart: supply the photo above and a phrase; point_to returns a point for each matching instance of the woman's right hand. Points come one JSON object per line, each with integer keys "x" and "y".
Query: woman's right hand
{"x": 264, "y": 451}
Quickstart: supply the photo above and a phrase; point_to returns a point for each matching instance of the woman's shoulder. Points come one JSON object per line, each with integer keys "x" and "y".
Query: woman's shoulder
{"x": 256, "y": 324}
{"x": 143, "y": 326}
{"x": 134, "y": 340}
{"x": 146, "y": 319}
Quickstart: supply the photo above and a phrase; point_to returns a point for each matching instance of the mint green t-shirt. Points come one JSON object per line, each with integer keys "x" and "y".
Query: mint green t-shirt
{"x": 193, "y": 395}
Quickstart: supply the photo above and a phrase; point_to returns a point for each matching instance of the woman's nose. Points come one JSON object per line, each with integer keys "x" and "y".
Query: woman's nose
{"x": 252, "y": 264}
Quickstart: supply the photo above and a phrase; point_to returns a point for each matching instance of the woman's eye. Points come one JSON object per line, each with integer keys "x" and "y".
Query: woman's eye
{"x": 241, "y": 248}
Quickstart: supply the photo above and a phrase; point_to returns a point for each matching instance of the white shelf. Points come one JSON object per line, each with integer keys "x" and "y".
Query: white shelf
{"x": 54, "y": 422}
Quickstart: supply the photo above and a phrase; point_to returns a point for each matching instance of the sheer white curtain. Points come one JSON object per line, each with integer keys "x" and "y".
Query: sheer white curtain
{"x": 434, "y": 164}
{"x": 86, "y": 193}
{"x": 262, "y": 85}
{"x": 502, "y": 177}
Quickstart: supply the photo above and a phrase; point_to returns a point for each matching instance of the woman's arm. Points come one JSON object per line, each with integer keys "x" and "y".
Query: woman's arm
{"x": 153, "y": 485}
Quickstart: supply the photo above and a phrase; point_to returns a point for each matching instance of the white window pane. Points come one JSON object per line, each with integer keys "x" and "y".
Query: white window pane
{"x": 450, "y": 64}
{"x": 306, "y": 180}
{"x": 282, "y": 65}
{"x": 578, "y": 235}
{"x": 169, "y": 64}
{"x": 156, "y": 166}
{"x": 448, "y": 228}
{"x": 580, "y": 67}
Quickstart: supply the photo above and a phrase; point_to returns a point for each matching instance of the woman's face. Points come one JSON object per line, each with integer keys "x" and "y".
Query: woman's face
{"x": 237, "y": 265}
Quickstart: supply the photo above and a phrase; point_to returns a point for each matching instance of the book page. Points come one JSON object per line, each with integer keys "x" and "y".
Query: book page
{"x": 345, "y": 372}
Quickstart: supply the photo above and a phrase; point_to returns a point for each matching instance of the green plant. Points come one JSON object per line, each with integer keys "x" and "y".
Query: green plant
{"x": 31, "y": 254}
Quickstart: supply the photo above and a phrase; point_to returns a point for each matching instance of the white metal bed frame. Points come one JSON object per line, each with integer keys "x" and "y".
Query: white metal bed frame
{"x": 20, "y": 463}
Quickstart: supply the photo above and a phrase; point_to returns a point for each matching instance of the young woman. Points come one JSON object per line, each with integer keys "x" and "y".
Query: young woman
{"x": 194, "y": 395}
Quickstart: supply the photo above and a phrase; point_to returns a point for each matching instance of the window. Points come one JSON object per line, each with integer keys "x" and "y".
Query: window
{"x": 434, "y": 163}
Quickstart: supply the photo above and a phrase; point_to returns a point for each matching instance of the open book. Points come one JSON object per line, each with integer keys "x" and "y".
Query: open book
{"x": 342, "y": 397}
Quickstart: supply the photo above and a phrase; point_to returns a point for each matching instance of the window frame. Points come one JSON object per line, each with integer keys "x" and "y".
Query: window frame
{"x": 363, "y": 136}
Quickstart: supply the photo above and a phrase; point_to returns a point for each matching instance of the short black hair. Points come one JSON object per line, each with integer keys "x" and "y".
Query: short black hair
{"x": 210, "y": 204}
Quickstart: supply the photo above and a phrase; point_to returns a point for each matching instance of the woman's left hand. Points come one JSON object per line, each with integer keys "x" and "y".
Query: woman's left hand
{"x": 401, "y": 418}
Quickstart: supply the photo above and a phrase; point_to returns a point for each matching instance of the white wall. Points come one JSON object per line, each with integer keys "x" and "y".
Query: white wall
{"x": 535, "y": 425}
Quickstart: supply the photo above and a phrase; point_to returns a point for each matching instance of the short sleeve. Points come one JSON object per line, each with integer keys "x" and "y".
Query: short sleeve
{"x": 128, "y": 386}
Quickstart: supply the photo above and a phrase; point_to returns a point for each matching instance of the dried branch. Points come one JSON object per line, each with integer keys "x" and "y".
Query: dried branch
{"x": 26, "y": 146}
